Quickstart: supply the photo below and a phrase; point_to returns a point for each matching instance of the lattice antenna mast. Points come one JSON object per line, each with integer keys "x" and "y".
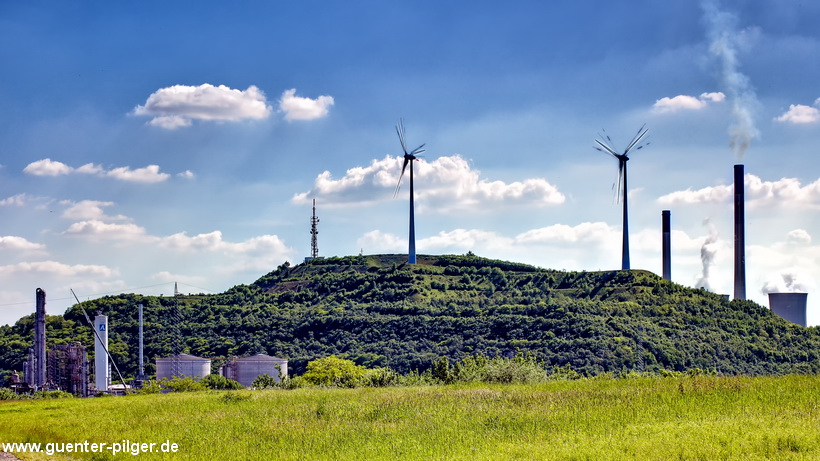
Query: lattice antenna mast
{"x": 314, "y": 231}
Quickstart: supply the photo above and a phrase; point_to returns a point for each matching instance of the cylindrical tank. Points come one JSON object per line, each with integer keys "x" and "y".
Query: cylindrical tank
{"x": 102, "y": 373}
{"x": 790, "y": 306}
{"x": 183, "y": 365}
{"x": 246, "y": 369}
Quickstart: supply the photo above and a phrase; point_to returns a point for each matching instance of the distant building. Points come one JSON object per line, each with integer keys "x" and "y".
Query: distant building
{"x": 246, "y": 369}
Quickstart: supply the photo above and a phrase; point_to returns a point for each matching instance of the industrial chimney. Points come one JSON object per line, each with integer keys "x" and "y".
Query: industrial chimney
{"x": 740, "y": 236}
{"x": 667, "y": 245}
{"x": 101, "y": 371}
{"x": 39, "y": 365}
{"x": 790, "y": 306}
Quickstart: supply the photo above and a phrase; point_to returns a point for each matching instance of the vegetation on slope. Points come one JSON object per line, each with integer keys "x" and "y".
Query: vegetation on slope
{"x": 381, "y": 312}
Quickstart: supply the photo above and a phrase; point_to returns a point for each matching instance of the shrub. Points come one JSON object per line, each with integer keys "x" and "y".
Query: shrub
{"x": 264, "y": 381}
{"x": 53, "y": 395}
{"x": 333, "y": 371}
{"x": 149, "y": 387}
{"x": 220, "y": 383}
{"x": 182, "y": 384}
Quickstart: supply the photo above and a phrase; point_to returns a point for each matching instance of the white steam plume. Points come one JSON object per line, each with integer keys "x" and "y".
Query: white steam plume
{"x": 724, "y": 42}
{"x": 707, "y": 254}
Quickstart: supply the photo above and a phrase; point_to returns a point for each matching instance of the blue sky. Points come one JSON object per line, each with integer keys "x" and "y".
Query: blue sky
{"x": 155, "y": 143}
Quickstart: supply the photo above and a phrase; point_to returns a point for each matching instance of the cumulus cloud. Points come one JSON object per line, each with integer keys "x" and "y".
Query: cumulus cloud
{"x": 590, "y": 233}
{"x": 98, "y": 230}
{"x": 799, "y": 114}
{"x": 686, "y": 102}
{"x": 149, "y": 174}
{"x": 445, "y": 184}
{"x": 89, "y": 210}
{"x": 759, "y": 193}
{"x": 176, "y": 106}
{"x": 48, "y": 167}
{"x": 58, "y": 268}
{"x": 798, "y": 237}
{"x": 15, "y": 200}
{"x": 301, "y": 108}
{"x": 11, "y": 242}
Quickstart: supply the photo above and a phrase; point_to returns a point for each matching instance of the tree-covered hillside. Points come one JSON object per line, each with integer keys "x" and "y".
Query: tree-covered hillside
{"x": 379, "y": 311}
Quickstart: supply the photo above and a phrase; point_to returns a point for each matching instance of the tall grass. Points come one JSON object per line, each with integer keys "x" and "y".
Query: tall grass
{"x": 696, "y": 417}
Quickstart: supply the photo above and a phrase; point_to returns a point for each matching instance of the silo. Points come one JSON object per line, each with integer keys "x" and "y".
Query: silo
{"x": 790, "y": 306}
{"x": 102, "y": 373}
{"x": 183, "y": 365}
{"x": 246, "y": 369}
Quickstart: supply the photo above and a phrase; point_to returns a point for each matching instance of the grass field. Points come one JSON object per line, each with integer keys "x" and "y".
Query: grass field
{"x": 699, "y": 417}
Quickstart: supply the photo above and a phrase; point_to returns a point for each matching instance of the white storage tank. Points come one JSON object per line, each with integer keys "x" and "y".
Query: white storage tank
{"x": 183, "y": 365}
{"x": 246, "y": 369}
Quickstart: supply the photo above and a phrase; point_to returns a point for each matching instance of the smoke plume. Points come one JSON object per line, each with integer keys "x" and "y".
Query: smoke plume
{"x": 789, "y": 283}
{"x": 725, "y": 39}
{"x": 707, "y": 255}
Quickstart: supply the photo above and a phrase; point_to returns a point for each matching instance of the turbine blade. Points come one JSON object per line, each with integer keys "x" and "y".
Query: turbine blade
{"x": 607, "y": 148}
{"x": 398, "y": 185}
{"x": 400, "y": 132}
{"x": 641, "y": 133}
{"x": 417, "y": 150}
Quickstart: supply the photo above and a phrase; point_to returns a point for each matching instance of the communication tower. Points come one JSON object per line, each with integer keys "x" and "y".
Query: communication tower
{"x": 314, "y": 231}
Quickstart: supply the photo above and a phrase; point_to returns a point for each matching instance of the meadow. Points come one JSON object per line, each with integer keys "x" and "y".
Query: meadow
{"x": 683, "y": 417}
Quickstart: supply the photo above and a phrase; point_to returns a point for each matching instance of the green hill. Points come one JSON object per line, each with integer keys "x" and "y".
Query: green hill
{"x": 379, "y": 311}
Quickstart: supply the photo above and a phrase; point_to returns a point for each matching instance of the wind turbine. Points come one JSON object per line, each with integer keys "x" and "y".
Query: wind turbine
{"x": 605, "y": 146}
{"x": 409, "y": 157}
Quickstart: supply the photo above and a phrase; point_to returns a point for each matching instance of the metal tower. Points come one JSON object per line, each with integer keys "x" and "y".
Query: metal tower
{"x": 314, "y": 231}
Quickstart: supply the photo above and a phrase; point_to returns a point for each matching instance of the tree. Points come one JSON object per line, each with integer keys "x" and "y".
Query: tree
{"x": 333, "y": 371}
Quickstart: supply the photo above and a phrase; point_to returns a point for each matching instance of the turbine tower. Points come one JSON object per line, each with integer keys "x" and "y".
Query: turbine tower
{"x": 605, "y": 145}
{"x": 409, "y": 157}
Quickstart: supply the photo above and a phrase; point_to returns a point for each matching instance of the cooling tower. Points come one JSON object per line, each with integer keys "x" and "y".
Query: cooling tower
{"x": 740, "y": 236}
{"x": 667, "y": 244}
{"x": 102, "y": 374}
{"x": 790, "y": 306}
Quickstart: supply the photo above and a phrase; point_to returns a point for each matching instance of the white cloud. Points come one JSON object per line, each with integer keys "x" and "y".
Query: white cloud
{"x": 89, "y": 210}
{"x": 798, "y": 237}
{"x": 58, "y": 268}
{"x": 148, "y": 174}
{"x": 99, "y": 230}
{"x": 187, "y": 174}
{"x": 175, "y": 106}
{"x": 11, "y": 242}
{"x": 589, "y": 233}
{"x": 47, "y": 167}
{"x": 15, "y": 200}
{"x": 301, "y": 108}
{"x": 800, "y": 114}
{"x": 445, "y": 184}
{"x": 686, "y": 102}
{"x": 759, "y": 193}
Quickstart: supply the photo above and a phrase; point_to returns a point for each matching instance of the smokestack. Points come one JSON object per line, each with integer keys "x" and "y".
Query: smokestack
{"x": 39, "y": 368}
{"x": 740, "y": 236}
{"x": 667, "y": 244}
{"x": 141, "y": 375}
{"x": 790, "y": 306}
{"x": 101, "y": 372}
